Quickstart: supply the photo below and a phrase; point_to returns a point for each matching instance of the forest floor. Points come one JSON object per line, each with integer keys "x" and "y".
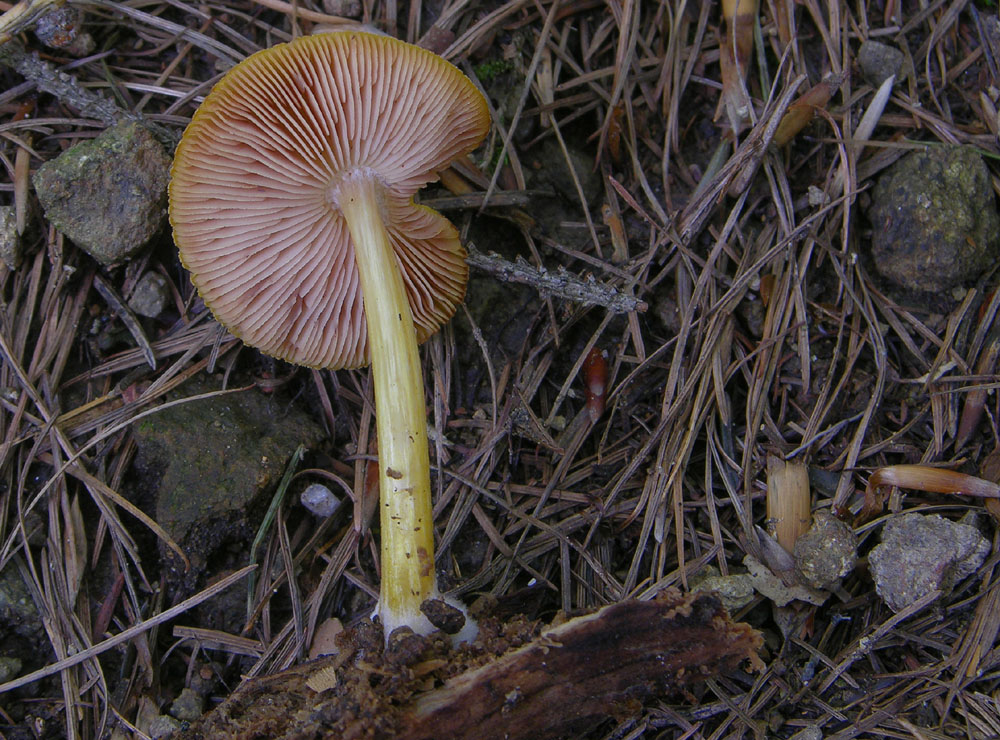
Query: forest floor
{"x": 701, "y": 313}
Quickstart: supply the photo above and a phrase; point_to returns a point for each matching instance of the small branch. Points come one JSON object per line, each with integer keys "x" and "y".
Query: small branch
{"x": 128, "y": 634}
{"x": 561, "y": 283}
{"x": 23, "y": 16}
{"x": 69, "y": 91}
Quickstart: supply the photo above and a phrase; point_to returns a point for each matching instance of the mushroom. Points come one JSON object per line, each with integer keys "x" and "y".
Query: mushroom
{"x": 291, "y": 200}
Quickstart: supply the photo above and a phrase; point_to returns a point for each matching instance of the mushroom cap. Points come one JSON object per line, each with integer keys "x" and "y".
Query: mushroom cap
{"x": 251, "y": 185}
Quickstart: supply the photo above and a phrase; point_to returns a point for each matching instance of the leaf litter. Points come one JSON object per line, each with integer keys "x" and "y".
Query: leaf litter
{"x": 767, "y": 333}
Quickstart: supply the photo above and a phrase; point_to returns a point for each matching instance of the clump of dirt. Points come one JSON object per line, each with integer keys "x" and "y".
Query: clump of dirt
{"x": 919, "y": 554}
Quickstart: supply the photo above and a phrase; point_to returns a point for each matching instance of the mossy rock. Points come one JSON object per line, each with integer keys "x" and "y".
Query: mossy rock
{"x": 934, "y": 219}
{"x": 107, "y": 195}
{"x": 214, "y": 463}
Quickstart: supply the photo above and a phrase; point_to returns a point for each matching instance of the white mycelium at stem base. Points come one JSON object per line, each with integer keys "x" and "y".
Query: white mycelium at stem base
{"x": 404, "y": 470}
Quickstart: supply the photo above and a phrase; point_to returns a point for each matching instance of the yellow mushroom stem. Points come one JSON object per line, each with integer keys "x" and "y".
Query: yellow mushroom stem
{"x": 408, "y": 576}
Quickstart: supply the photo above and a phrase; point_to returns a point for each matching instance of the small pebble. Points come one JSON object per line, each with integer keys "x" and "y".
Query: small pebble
{"x": 62, "y": 28}
{"x": 10, "y": 240}
{"x": 320, "y": 500}
{"x": 150, "y": 296}
{"x": 59, "y": 27}
{"x": 446, "y": 617}
{"x": 109, "y": 194}
{"x": 9, "y": 668}
{"x": 163, "y": 726}
{"x": 404, "y": 646}
{"x": 934, "y": 219}
{"x": 735, "y": 590}
{"x": 878, "y": 61}
{"x": 188, "y": 706}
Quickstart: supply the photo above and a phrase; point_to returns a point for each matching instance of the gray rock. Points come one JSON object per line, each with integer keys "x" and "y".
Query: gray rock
{"x": 11, "y": 249}
{"x": 826, "y": 553}
{"x": 213, "y": 464}
{"x": 735, "y": 590}
{"x": 812, "y": 732}
{"x": 9, "y": 668}
{"x": 188, "y": 706}
{"x": 18, "y": 614}
{"x": 934, "y": 219}
{"x": 151, "y": 295}
{"x": 878, "y": 61}
{"x": 163, "y": 726}
{"x": 919, "y": 554}
{"x": 107, "y": 195}
{"x": 320, "y": 500}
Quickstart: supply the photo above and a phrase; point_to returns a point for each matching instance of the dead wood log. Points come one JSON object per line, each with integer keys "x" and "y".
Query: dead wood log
{"x": 567, "y": 679}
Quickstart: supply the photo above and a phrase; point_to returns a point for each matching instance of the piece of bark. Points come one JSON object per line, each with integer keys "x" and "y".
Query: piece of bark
{"x": 587, "y": 669}
{"x": 567, "y": 679}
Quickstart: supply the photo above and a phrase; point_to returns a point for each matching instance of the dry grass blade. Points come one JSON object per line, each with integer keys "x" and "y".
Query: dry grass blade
{"x": 739, "y": 17}
{"x": 127, "y": 318}
{"x": 789, "y": 503}
{"x": 306, "y": 14}
{"x": 216, "y": 640}
{"x": 128, "y": 634}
